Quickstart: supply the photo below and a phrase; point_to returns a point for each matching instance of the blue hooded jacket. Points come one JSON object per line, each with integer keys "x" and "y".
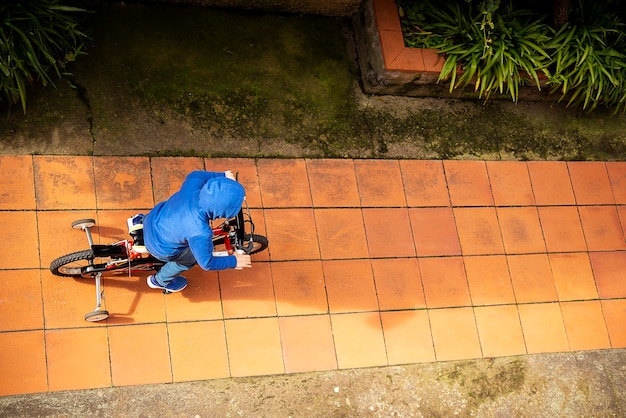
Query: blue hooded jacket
{"x": 183, "y": 220}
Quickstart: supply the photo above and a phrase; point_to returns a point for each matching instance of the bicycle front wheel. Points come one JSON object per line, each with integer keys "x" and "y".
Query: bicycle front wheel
{"x": 259, "y": 243}
{"x": 72, "y": 265}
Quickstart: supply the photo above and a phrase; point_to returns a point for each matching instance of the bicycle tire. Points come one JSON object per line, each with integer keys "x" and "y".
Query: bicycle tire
{"x": 83, "y": 223}
{"x": 259, "y": 242}
{"x": 62, "y": 266}
{"x": 95, "y": 316}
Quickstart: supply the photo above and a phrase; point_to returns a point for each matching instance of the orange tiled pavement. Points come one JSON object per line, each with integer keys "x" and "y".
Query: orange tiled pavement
{"x": 370, "y": 263}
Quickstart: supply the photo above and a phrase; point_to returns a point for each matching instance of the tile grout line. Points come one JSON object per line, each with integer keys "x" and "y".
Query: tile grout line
{"x": 38, "y": 231}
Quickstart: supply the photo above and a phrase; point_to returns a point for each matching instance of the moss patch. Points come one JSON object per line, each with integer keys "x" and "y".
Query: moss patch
{"x": 486, "y": 381}
{"x": 227, "y": 75}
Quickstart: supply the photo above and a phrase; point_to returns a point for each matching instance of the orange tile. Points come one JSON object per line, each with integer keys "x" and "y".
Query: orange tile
{"x": 409, "y": 59}
{"x": 111, "y": 225}
{"x": 333, "y": 183}
{"x": 615, "y": 316}
{"x": 123, "y": 182}
{"x": 350, "y": 286}
{"x": 386, "y": 13}
{"x": 551, "y": 183}
{"x": 388, "y": 232}
{"x": 66, "y": 301}
{"x": 254, "y": 347}
{"x": 434, "y": 231}
{"x": 23, "y": 363}
{"x": 248, "y": 177}
{"x": 433, "y": 60}
{"x": 398, "y": 283}
{"x": 468, "y": 183}
{"x": 22, "y": 305}
{"x": 292, "y": 234}
{"x": 139, "y": 355}
{"x": 454, "y": 334}
{"x": 590, "y": 182}
{"x": 130, "y": 300}
{"x": 85, "y": 365}
{"x": 521, "y": 230}
{"x": 621, "y": 211}
{"x": 532, "y": 278}
{"x": 168, "y": 174}
{"x": 57, "y": 237}
{"x": 617, "y": 177}
{"x": 444, "y": 282}
{"x": 307, "y": 343}
{"x": 358, "y": 340}
{"x": 602, "y": 228}
{"x": 561, "y": 229}
{"x": 392, "y": 45}
{"x": 584, "y": 324}
{"x": 341, "y": 233}
{"x": 407, "y": 337}
{"x": 198, "y": 350}
{"x": 247, "y": 293}
{"x": 500, "y": 331}
{"x": 65, "y": 182}
{"x": 424, "y": 183}
{"x": 573, "y": 276}
{"x": 608, "y": 269}
{"x": 380, "y": 183}
{"x": 284, "y": 183}
{"x": 510, "y": 183}
{"x": 299, "y": 288}
{"x": 489, "y": 281}
{"x": 479, "y": 231}
{"x": 18, "y": 234}
{"x": 543, "y": 328}
{"x": 17, "y": 182}
{"x": 200, "y": 301}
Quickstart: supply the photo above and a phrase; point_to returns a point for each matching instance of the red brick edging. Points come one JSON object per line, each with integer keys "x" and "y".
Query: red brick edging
{"x": 396, "y": 55}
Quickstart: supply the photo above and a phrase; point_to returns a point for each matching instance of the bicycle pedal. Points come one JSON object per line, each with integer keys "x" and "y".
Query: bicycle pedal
{"x": 166, "y": 292}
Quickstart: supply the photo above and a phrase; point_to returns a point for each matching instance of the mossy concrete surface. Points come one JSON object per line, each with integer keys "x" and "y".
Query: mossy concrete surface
{"x": 584, "y": 384}
{"x": 182, "y": 80}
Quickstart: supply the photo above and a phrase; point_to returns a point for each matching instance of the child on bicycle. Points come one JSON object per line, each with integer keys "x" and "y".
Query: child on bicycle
{"x": 178, "y": 232}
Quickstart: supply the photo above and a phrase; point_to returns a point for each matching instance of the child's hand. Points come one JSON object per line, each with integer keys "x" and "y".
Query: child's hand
{"x": 229, "y": 175}
{"x": 243, "y": 260}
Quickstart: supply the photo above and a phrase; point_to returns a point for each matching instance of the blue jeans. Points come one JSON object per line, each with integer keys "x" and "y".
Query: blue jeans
{"x": 174, "y": 266}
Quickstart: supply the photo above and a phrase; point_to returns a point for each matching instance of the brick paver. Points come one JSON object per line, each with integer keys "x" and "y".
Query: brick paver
{"x": 370, "y": 263}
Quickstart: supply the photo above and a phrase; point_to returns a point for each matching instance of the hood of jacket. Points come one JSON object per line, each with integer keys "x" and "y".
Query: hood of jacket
{"x": 221, "y": 197}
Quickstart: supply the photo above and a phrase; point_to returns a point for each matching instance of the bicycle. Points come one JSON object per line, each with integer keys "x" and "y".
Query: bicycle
{"x": 130, "y": 255}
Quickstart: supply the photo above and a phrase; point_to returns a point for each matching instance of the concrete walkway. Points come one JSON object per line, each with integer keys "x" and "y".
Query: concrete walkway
{"x": 370, "y": 263}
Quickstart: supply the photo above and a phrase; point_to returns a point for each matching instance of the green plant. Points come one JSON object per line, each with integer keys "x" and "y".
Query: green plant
{"x": 588, "y": 62}
{"x": 497, "y": 49}
{"x": 37, "y": 38}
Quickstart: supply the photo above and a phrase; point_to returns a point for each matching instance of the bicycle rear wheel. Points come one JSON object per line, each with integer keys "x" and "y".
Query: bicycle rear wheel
{"x": 73, "y": 264}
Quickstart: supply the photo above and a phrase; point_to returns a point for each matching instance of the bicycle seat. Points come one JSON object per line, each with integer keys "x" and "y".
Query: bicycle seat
{"x": 138, "y": 244}
{"x": 135, "y": 229}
